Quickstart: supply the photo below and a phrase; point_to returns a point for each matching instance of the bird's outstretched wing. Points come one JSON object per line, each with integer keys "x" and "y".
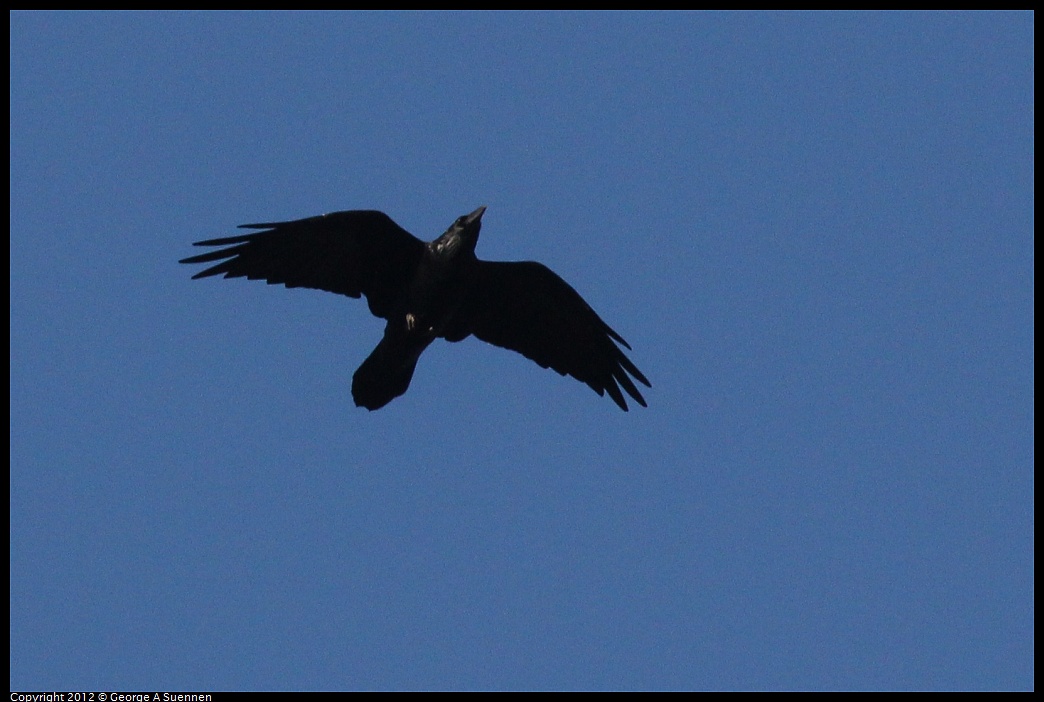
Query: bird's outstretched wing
{"x": 353, "y": 253}
{"x": 527, "y": 308}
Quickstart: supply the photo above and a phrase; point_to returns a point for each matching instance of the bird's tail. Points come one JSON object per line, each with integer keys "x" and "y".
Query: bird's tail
{"x": 386, "y": 373}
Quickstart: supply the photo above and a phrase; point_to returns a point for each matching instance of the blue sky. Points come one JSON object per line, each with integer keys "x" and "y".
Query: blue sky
{"x": 816, "y": 231}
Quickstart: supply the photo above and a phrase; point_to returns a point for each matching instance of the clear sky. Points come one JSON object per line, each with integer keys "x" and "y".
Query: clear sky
{"x": 816, "y": 231}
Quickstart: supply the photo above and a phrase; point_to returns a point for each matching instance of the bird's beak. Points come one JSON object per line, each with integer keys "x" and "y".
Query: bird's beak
{"x": 476, "y": 215}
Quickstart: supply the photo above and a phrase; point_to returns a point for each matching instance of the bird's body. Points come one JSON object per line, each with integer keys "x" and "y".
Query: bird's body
{"x": 429, "y": 291}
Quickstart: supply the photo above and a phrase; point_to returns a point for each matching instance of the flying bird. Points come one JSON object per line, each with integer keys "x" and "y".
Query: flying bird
{"x": 427, "y": 291}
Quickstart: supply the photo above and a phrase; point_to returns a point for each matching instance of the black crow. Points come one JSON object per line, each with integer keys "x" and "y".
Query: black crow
{"x": 427, "y": 291}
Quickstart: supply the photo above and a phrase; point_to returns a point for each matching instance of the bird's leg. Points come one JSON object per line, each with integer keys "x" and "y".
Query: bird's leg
{"x": 411, "y": 323}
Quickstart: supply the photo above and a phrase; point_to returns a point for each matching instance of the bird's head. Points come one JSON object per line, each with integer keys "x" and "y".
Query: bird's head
{"x": 460, "y": 239}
